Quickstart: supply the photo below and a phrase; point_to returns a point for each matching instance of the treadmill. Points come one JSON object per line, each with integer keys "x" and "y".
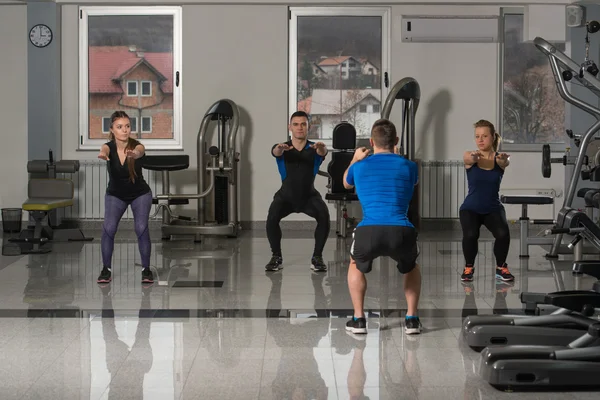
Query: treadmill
{"x": 576, "y": 364}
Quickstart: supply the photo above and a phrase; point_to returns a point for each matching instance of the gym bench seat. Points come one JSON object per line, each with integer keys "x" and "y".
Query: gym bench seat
{"x": 344, "y": 145}
{"x": 525, "y": 201}
{"x": 44, "y": 195}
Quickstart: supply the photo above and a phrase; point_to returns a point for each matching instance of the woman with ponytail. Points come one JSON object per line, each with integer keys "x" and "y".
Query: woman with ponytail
{"x": 485, "y": 169}
{"x": 126, "y": 187}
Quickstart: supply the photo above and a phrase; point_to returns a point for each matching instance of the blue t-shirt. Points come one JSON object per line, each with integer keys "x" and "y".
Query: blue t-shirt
{"x": 384, "y": 184}
{"x": 484, "y": 188}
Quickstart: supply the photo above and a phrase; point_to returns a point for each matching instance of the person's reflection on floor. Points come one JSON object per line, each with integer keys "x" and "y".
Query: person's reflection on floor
{"x": 298, "y": 376}
{"x": 129, "y": 383}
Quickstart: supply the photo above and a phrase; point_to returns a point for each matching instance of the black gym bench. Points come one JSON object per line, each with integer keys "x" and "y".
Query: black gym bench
{"x": 344, "y": 145}
{"x": 525, "y": 201}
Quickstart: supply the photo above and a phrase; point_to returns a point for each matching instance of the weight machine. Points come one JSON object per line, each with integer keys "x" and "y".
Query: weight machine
{"x": 564, "y": 70}
{"x": 216, "y": 176}
{"x": 409, "y": 91}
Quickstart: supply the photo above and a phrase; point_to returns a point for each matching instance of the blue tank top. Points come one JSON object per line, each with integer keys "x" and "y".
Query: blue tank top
{"x": 484, "y": 189}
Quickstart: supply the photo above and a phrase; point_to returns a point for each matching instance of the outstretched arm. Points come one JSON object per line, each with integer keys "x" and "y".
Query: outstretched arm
{"x": 359, "y": 154}
{"x": 503, "y": 160}
{"x": 349, "y": 181}
{"x": 471, "y": 157}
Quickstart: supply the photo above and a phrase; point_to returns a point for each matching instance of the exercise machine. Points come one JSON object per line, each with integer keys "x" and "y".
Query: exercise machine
{"x": 573, "y": 365}
{"x": 46, "y": 194}
{"x": 563, "y": 326}
{"x": 564, "y": 70}
{"x": 217, "y": 177}
{"x": 344, "y": 146}
{"x": 409, "y": 91}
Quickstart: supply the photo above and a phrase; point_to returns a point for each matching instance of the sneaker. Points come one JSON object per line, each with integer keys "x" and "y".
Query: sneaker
{"x": 317, "y": 264}
{"x": 467, "y": 275}
{"x": 274, "y": 264}
{"x": 412, "y": 326}
{"x": 503, "y": 273}
{"x": 147, "y": 276}
{"x": 357, "y": 325}
{"x": 105, "y": 276}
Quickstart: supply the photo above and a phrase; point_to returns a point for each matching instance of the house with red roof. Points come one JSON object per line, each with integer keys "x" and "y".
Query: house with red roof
{"x": 137, "y": 82}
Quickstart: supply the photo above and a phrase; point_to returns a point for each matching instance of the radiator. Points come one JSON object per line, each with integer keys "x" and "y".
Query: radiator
{"x": 90, "y": 187}
{"x": 442, "y": 188}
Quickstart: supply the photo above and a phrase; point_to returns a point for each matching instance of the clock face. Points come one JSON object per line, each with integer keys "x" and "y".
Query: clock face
{"x": 40, "y": 35}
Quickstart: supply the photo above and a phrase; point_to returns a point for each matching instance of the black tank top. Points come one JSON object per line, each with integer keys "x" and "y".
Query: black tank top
{"x": 119, "y": 184}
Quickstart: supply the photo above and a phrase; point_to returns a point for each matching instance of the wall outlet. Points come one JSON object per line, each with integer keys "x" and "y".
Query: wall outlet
{"x": 546, "y": 192}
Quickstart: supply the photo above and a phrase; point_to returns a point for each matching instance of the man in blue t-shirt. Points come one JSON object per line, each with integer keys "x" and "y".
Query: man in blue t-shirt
{"x": 384, "y": 183}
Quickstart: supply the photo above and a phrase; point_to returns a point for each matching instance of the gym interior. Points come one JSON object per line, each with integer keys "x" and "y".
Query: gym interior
{"x": 210, "y": 87}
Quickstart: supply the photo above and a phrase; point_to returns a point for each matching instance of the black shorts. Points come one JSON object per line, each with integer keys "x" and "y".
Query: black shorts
{"x": 397, "y": 242}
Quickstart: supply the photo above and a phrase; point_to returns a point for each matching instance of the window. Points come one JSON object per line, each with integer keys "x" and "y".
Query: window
{"x": 328, "y": 48}
{"x": 146, "y": 88}
{"x": 146, "y": 124}
{"x": 133, "y": 124}
{"x": 532, "y": 111}
{"x": 132, "y": 88}
{"x": 376, "y": 108}
{"x": 106, "y": 125}
{"x": 130, "y": 60}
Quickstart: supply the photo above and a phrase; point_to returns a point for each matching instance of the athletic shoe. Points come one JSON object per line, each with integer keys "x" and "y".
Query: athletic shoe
{"x": 105, "y": 276}
{"x": 503, "y": 273}
{"x": 357, "y": 325}
{"x": 147, "y": 276}
{"x": 274, "y": 264}
{"x": 412, "y": 326}
{"x": 317, "y": 264}
{"x": 467, "y": 275}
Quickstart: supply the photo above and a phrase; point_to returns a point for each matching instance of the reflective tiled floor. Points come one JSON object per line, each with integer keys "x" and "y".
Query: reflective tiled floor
{"x": 216, "y": 326}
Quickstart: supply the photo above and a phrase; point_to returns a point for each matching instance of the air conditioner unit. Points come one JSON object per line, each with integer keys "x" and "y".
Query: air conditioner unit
{"x": 450, "y": 29}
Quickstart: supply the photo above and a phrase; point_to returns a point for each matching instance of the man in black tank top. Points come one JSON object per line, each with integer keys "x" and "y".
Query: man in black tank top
{"x": 298, "y": 161}
{"x": 126, "y": 187}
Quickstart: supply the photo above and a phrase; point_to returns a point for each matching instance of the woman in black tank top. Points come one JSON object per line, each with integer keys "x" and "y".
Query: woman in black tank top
{"x": 485, "y": 168}
{"x": 126, "y": 187}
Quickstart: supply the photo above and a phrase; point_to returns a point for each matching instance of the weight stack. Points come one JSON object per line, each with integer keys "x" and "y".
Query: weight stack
{"x": 221, "y": 200}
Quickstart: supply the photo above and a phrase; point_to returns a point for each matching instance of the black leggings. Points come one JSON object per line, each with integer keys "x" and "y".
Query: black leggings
{"x": 496, "y": 224}
{"x": 314, "y": 207}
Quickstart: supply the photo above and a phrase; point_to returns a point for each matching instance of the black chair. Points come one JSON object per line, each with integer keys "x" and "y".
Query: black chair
{"x": 344, "y": 145}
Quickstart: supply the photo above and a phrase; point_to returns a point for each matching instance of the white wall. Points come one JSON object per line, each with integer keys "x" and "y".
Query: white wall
{"x": 459, "y": 84}
{"x": 13, "y": 105}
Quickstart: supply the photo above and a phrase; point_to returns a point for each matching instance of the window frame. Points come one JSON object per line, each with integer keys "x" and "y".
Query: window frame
{"x": 84, "y": 142}
{"x": 142, "y": 89}
{"x": 522, "y": 147}
{"x": 103, "y": 131}
{"x": 136, "y": 94}
{"x": 141, "y": 130}
{"x": 384, "y": 12}
{"x": 131, "y": 124}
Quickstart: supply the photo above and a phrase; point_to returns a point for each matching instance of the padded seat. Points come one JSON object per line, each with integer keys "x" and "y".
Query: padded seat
{"x": 46, "y": 204}
{"x": 166, "y": 162}
{"x": 582, "y": 192}
{"x": 344, "y": 145}
{"x": 48, "y": 194}
{"x": 526, "y": 199}
{"x": 341, "y": 196}
{"x": 587, "y": 267}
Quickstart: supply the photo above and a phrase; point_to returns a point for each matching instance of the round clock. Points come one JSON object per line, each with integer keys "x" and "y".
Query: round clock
{"x": 40, "y": 35}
